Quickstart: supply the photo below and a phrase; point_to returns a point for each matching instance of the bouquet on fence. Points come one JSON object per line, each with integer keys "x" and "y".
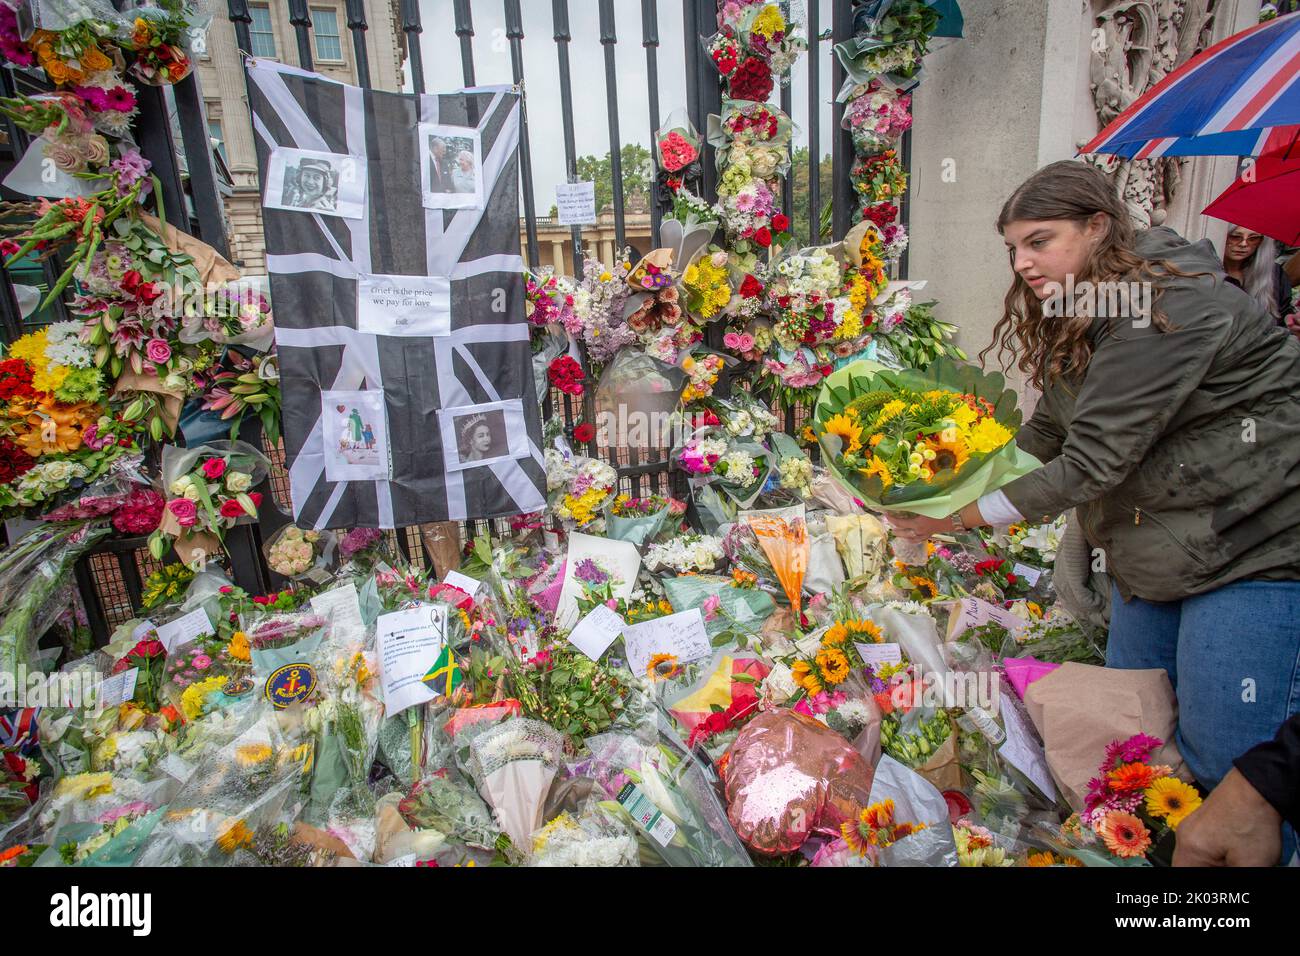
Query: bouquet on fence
{"x": 578, "y": 487}
{"x": 60, "y": 432}
{"x": 209, "y": 491}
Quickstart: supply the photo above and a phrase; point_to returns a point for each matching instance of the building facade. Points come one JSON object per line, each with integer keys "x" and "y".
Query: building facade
{"x": 221, "y": 78}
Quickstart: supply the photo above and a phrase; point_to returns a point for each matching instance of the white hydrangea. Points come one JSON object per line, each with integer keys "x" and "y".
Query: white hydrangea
{"x": 692, "y": 552}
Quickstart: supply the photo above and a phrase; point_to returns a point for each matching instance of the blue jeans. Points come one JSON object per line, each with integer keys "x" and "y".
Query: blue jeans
{"x": 1233, "y": 656}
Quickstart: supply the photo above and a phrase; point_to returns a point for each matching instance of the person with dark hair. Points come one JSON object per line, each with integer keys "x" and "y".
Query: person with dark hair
{"x": 315, "y": 188}
{"x": 1250, "y": 262}
{"x": 1168, "y": 422}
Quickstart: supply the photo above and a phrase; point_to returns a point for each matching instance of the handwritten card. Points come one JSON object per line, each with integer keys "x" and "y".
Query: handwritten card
{"x": 972, "y": 612}
{"x": 619, "y": 559}
{"x": 1031, "y": 575}
{"x": 408, "y": 643}
{"x": 184, "y": 629}
{"x": 117, "y": 689}
{"x": 576, "y": 203}
{"x": 463, "y": 581}
{"x": 682, "y": 635}
{"x": 876, "y": 654}
{"x": 342, "y": 607}
{"x": 595, "y": 632}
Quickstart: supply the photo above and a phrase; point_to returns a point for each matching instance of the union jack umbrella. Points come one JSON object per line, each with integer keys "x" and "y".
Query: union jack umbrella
{"x": 1226, "y": 101}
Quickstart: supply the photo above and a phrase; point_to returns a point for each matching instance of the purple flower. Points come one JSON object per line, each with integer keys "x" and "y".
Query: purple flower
{"x": 130, "y": 167}
{"x": 588, "y": 572}
{"x": 358, "y": 539}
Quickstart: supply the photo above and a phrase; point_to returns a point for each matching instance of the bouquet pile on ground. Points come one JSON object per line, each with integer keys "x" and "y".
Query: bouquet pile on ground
{"x": 749, "y": 671}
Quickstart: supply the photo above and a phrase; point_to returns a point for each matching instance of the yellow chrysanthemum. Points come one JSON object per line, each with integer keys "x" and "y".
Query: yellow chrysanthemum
{"x": 238, "y": 647}
{"x": 878, "y": 467}
{"x": 963, "y": 415}
{"x": 194, "y": 695}
{"x": 84, "y": 786}
{"x": 844, "y": 427}
{"x": 890, "y": 410}
{"x": 1171, "y": 800}
{"x": 851, "y": 327}
{"x": 769, "y": 22}
{"x": 988, "y": 435}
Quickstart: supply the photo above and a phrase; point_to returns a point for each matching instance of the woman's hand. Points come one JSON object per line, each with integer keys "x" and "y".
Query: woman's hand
{"x": 916, "y": 527}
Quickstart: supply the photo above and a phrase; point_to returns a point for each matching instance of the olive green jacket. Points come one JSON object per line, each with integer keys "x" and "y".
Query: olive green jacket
{"x": 1179, "y": 449}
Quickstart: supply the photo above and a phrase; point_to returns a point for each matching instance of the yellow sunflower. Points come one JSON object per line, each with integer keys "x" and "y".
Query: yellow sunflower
{"x": 1171, "y": 800}
{"x": 663, "y": 667}
{"x": 844, "y": 427}
{"x": 950, "y": 451}
{"x": 806, "y": 677}
{"x": 832, "y": 663}
{"x": 925, "y": 586}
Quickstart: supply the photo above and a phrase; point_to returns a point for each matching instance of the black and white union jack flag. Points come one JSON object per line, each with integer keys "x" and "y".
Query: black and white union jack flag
{"x": 392, "y": 245}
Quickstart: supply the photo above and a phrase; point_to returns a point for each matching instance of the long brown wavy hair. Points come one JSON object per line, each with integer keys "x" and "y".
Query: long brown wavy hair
{"x": 1059, "y": 347}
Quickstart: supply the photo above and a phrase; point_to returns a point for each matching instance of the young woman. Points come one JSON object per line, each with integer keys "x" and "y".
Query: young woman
{"x": 1250, "y": 261}
{"x": 1176, "y": 436}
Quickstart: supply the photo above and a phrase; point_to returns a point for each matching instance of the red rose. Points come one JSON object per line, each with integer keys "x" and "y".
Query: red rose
{"x": 751, "y": 288}
{"x": 131, "y": 281}
{"x": 214, "y": 468}
{"x": 584, "y": 432}
{"x": 150, "y": 291}
{"x": 1011, "y": 579}
{"x": 257, "y": 498}
{"x": 780, "y": 222}
{"x": 752, "y": 80}
{"x": 763, "y": 237}
{"x": 231, "y": 508}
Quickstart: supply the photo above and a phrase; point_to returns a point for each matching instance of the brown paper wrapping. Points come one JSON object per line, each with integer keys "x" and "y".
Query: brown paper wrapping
{"x": 442, "y": 542}
{"x": 944, "y": 769}
{"x": 1079, "y": 709}
{"x": 189, "y": 544}
{"x": 212, "y": 267}
{"x": 172, "y": 401}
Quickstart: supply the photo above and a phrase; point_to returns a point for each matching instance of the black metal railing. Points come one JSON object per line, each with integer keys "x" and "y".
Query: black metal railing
{"x": 110, "y": 580}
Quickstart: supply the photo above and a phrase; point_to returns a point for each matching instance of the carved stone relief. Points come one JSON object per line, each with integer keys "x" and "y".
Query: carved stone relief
{"x": 1134, "y": 45}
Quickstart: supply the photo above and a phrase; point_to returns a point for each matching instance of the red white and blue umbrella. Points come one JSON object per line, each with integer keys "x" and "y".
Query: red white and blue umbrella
{"x": 1225, "y": 101}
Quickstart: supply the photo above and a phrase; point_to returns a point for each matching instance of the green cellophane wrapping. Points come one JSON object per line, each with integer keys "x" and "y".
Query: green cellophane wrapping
{"x": 945, "y": 494}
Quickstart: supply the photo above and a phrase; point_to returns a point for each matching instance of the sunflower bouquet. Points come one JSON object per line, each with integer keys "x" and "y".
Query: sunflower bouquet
{"x": 925, "y": 441}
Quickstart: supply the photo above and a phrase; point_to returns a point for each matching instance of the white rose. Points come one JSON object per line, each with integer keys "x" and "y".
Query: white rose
{"x": 58, "y": 472}
{"x": 178, "y": 486}
{"x": 238, "y": 481}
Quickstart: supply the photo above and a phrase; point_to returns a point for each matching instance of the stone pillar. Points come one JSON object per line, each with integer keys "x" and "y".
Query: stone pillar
{"x": 557, "y": 256}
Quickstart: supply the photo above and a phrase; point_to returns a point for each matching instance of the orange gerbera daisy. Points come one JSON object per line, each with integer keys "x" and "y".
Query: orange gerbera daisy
{"x": 1131, "y": 777}
{"x": 1124, "y": 834}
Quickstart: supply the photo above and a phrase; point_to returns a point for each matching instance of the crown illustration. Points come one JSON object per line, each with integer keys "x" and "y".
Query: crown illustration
{"x": 470, "y": 425}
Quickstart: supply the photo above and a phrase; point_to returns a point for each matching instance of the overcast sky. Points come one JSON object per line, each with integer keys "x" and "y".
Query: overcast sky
{"x": 442, "y": 68}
